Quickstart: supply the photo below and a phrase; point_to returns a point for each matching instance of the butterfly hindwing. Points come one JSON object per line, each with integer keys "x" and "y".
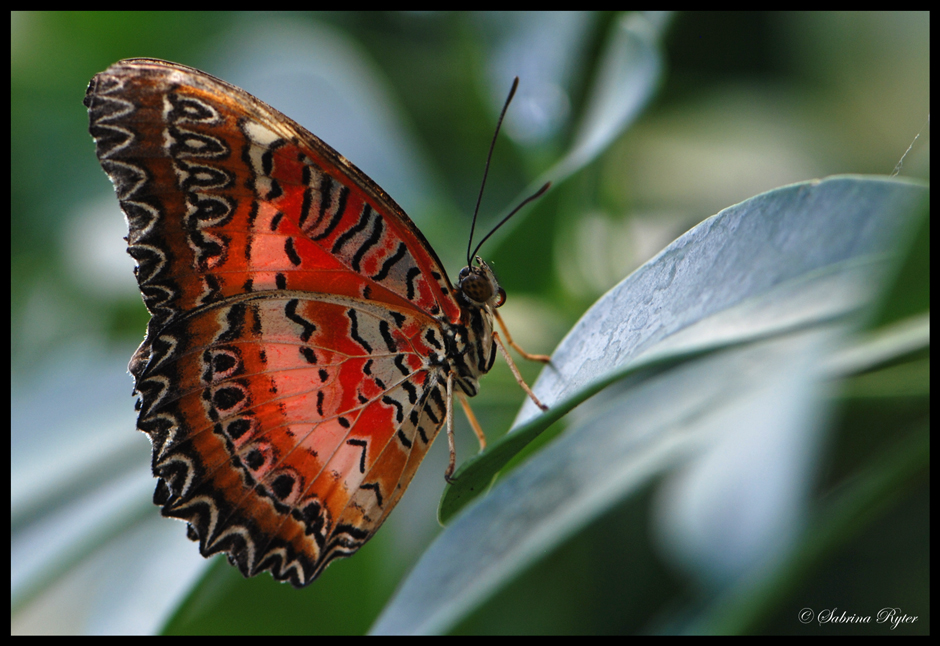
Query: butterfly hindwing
{"x": 284, "y": 425}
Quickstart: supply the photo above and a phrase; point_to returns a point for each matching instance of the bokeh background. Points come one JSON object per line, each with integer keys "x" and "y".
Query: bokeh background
{"x": 746, "y": 102}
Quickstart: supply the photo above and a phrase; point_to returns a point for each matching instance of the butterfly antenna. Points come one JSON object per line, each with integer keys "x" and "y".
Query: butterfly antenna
{"x": 486, "y": 169}
{"x": 534, "y": 196}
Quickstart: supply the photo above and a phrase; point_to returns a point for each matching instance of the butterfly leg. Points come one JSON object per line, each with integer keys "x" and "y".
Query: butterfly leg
{"x": 515, "y": 371}
{"x": 452, "y": 463}
{"x": 472, "y": 419}
{"x": 525, "y": 355}
{"x": 450, "y": 434}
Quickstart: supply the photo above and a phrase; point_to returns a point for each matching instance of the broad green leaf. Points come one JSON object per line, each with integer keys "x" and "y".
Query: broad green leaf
{"x": 782, "y": 260}
{"x": 719, "y": 348}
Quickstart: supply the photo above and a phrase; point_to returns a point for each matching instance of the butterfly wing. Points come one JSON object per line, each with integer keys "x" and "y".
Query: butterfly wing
{"x": 286, "y": 426}
{"x": 287, "y": 379}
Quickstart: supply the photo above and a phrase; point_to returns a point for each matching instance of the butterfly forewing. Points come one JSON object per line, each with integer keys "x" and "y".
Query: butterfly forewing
{"x": 293, "y": 373}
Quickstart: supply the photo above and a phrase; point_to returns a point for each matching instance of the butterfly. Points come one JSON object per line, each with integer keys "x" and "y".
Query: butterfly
{"x": 305, "y": 343}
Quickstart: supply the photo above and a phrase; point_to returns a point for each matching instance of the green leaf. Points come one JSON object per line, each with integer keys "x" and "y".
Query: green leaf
{"x": 718, "y": 348}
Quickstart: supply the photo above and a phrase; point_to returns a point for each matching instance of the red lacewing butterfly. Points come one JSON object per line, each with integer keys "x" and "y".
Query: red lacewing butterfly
{"x": 305, "y": 342}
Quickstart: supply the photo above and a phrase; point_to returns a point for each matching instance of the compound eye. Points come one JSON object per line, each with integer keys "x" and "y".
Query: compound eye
{"x": 476, "y": 287}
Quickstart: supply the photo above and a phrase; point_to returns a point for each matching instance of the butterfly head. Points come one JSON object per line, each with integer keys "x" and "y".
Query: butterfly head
{"x": 478, "y": 286}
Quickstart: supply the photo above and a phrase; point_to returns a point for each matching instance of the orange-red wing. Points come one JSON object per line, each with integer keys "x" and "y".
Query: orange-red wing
{"x": 292, "y": 376}
{"x": 286, "y": 425}
{"x": 225, "y": 195}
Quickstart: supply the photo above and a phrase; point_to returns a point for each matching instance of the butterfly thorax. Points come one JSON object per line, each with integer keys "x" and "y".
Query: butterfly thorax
{"x": 474, "y": 350}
